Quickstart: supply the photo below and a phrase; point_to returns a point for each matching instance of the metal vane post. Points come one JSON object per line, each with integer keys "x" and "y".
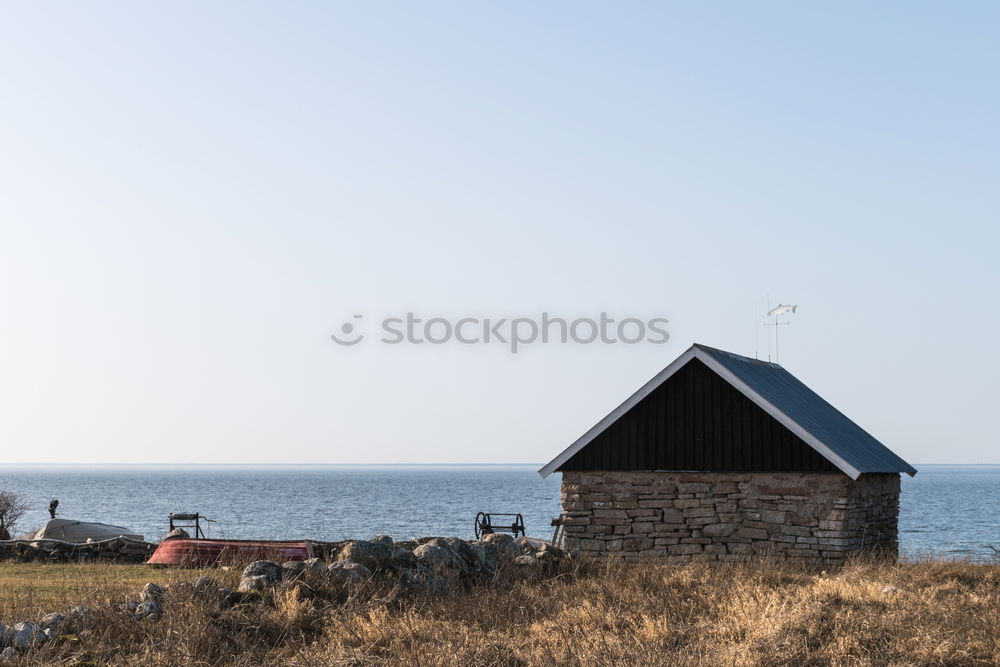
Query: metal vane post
{"x": 776, "y": 312}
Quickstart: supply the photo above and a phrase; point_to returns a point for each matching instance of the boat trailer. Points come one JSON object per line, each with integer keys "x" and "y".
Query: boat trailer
{"x": 486, "y": 526}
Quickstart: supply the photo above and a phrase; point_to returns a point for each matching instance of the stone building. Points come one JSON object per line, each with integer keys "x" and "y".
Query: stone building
{"x": 720, "y": 456}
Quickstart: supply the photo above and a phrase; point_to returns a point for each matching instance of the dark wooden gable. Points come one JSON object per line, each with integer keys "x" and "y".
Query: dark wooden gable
{"x": 696, "y": 420}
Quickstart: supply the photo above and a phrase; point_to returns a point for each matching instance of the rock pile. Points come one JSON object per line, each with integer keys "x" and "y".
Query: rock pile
{"x": 431, "y": 566}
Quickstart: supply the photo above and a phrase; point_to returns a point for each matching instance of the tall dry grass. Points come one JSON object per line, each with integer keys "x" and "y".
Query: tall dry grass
{"x": 865, "y": 613}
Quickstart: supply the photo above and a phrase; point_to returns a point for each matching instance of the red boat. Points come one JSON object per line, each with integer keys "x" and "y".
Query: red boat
{"x": 207, "y": 553}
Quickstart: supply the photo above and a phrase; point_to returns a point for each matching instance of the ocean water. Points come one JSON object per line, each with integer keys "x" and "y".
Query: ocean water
{"x": 946, "y": 510}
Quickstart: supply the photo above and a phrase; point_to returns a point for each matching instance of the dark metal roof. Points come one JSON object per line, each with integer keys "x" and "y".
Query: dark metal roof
{"x": 777, "y": 392}
{"x": 807, "y": 409}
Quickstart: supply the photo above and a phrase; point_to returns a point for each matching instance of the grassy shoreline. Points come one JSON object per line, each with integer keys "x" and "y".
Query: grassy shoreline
{"x": 930, "y": 612}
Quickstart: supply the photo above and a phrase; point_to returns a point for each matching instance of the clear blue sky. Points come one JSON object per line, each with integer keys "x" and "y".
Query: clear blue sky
{"x": 193, "y": 196}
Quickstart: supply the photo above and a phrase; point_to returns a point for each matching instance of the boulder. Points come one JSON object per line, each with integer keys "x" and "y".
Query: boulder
{"x": 293, "y": 569}
{"x": 128, "y": 607}
{"x": 149, "y": 610}
{"x": 403, "y": 559}
{"x": 464, "y": 551}
{"x": 26, "y": 634}
{"x": 384, "y": 540}
{"x": 438, "y": 557}
{"x": 205, "y": 586}
{"x": 4, "y": 635}
{"x": 234, "y": 598}
{"x": 419, "y": 579}
{"x": 255, "y": 583}
{"x": 270, "y": 570}
{"x": 505, "y": 545}
{"x": 492, "y": 552}
{"x": 53, "y": 622}
{"x": 8, "y": 654}
{"x": 314, "y": 565}
{"x": 348, "y": 572}
{"x": 177, "y": 534}
{"x": 486, "y": 557}
{"x": 526, "y": 560}
{"x": 550, "y": 556}
{"x": 152, "y": 593}
{"x": 526, "y": 546}
{"x": 376, "y": 556}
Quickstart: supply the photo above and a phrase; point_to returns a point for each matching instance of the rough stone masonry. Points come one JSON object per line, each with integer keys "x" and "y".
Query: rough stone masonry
{"x": 729, "y": 516}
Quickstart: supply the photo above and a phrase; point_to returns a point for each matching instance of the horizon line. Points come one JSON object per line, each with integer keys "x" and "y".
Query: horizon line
{"x": 195, "y": 463}
{"x": 306, "y": 463}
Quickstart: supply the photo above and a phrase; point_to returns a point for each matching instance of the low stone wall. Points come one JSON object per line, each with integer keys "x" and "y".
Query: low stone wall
{"x": 379, "y": 568}
{"x": 729, "y": 516}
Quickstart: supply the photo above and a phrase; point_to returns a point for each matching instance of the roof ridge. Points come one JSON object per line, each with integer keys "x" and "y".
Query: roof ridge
{"x": 738, "y": 357}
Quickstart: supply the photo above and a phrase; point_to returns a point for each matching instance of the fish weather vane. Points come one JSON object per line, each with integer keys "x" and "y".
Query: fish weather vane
{"x": 775, "y": 313}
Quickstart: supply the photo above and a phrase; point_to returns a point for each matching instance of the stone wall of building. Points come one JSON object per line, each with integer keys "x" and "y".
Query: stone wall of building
{"x": 729, "y": 516}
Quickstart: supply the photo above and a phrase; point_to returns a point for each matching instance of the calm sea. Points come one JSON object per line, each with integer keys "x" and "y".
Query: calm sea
{"x": 946, "y": 510}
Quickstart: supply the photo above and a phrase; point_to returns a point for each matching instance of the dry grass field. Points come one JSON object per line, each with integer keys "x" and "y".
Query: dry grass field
{"x": 929, "y": 613}
{"x": 28, "y": 590}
